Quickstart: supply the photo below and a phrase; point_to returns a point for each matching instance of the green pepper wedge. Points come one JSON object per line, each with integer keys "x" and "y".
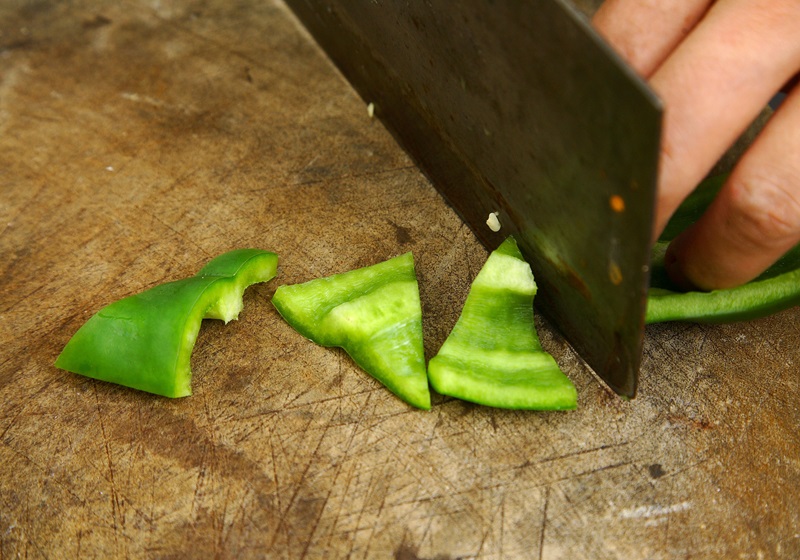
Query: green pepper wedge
{"x": 776, "y": 289}
{"x": 374, "y": 314}
{"x": 493, "y": 355}
{"x": 145, "y": 341}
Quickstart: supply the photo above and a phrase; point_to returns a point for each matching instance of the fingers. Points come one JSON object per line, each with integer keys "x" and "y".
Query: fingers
{"x": 645, "y": 32}
{"x": 756, "y": 217}
{"x": 715, "y": 83}
{"x": 715, "y": 65}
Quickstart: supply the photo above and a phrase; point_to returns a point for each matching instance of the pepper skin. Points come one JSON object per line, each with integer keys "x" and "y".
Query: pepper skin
{"x": 776, "y": 289}
{"x": 374, "y": 314}
{"x": 145, "y": 341}
{"x": 493, "y": 355}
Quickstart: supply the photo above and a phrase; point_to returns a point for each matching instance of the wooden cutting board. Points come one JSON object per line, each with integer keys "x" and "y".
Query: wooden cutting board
{"x": 140, "y": 138}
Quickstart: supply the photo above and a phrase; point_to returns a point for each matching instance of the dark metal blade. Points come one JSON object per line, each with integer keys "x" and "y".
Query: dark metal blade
{"x": 520, "y": 108}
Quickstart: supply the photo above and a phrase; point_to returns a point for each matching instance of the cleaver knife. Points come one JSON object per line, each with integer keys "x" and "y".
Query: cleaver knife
{"x": 519, "y": 108}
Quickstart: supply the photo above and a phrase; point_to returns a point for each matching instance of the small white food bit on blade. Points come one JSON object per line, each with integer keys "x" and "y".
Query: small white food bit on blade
{"x": 493, "y": 222}
{"x": 371, "y": 110}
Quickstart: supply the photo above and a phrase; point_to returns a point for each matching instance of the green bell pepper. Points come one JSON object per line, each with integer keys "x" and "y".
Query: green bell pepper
{"x": 145, "y": 341}
{"x": 776, "y": 289}
{"x": 374, "y": 314}
{"x": 493, "y": 355}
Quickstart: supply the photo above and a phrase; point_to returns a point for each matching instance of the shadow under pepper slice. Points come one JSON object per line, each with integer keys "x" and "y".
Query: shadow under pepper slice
{"x": 778, "y": 288}
{"x": 145, "y": 341}
{"x": 374, "y": 314}
{"x": 493, "y": 355}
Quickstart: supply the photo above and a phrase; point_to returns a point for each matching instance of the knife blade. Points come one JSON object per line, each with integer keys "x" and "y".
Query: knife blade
{"x": 520, "y": 108}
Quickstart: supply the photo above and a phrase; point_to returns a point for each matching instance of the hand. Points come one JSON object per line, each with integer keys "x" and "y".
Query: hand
{"x": 716, "y": 65}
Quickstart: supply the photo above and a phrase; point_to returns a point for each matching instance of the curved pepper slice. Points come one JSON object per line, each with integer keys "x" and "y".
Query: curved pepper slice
{"x": 145, "y": 341}
{"x": 374, "y": 314}
{"x": 493, "y": 355}
{"x": 775, "y": 290}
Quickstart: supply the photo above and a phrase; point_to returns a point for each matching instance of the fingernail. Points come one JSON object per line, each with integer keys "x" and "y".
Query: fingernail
{"x": 674, "y": 265}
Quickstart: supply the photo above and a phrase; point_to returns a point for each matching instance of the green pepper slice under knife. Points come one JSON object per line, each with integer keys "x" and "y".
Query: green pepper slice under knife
{"x": 145, "y": 341}
{"x": 493, "y": 355}
{"x": 776, "y": 289}
{"x": 374, "y": 314}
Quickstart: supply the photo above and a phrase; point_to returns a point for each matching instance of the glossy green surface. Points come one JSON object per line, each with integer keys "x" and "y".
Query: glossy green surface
{"x": 493, "y": 355}
{"x": 374, "y": 314}
{"x": 145, "y": 341}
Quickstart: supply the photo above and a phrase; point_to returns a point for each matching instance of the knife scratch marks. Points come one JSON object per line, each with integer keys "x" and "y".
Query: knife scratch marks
{"x": 309, "y": 167}
{"x": 338, "y": 466}
{"x": 335, "y": 178}
{"x": 7, "y": 85}
{"x": 544, "y": 521}
{"x": 203, "y": 465}
{"x": 374, "y": 486}
{"x": 198, "y": 485}
{"x": 484, "y": 538}
{"x": 349, "y": 479}
{"x": 574, "y": 466}
{"x": 275, "y": 471}
{"x": 655, "y": 514}
{"x": 145, "y": 99}
{"x": 116, "y": 513}
{"x": 371, "y": 485}
{"x": 578, "y": 453}
{"x": 285, "y": 524}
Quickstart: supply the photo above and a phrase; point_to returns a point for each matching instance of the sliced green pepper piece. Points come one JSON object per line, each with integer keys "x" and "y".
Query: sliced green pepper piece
{"x": 145, "y": 341}
{"x": 493, "y": 355}
{"x": 374, "y": 314}
{"x": 776, "y": 289}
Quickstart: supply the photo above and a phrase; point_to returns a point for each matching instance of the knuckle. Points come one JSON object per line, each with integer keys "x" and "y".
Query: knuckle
{"x": 766, "y": 210}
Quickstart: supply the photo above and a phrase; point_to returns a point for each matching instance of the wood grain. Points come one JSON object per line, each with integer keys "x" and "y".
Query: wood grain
{"x": 137, "y": 140}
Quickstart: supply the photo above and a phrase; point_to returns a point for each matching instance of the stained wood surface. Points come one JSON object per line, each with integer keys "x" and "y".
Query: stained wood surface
{"x": 140, "y": 138}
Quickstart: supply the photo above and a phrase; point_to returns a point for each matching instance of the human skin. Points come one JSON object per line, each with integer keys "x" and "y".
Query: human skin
{"x": 715, "y": 66}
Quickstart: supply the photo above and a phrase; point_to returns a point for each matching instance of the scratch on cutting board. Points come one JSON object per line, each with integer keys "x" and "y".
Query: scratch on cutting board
{"x": 646, "y": 512}
{"x": 134, "y": 97}
{"x": 146, "y": 99}
{"x": 117, "y": 515}
{"x": 544, "y": 521}
{"x": 7, "y": 85}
